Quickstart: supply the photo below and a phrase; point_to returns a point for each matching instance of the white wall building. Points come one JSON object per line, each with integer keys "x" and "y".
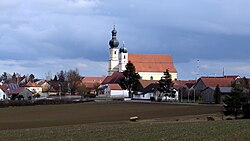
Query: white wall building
{"x": 149, "y": 66}
{"x": 3, "y": 96}
{"x": 115, "y": 91}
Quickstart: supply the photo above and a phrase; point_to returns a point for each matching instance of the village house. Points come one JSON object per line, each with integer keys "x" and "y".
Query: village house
{"x": 3, "y": 95}
{"x": 115, "y": 78}
{"x": 114, "y": 91}
{"x": 183, "y": 87}
{"x": 207, "y": 94}
{"x": 205, "y": 86}
{"x": 148, "y": 90}
{"x": 92, "y": 83}
{"x": 34, "y": 88}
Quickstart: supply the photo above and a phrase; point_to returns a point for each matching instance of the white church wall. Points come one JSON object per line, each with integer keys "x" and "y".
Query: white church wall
{"x": 114, "y": 60}
{"x": 155, "y": 75}
{"x": 123, "y": 60}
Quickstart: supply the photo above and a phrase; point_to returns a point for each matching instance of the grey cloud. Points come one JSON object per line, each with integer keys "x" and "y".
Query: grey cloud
{"x": 69, "y": 29}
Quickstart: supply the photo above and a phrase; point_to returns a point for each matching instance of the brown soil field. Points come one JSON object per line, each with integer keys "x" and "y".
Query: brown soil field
{"x": 99, "y": 112}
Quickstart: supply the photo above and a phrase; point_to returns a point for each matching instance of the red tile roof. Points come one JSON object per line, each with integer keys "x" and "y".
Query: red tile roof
{"x": 15, "y": 91}
{"x": 41, "y": 82}
{"x": 92, "y": 79}
{"x": 4, "y": 88}
{"x": 31, "y": 84}
{"x": 152, "y": 62}
{"x": 184, "y": 82}
{"x": 114, "y": 78}
{"x": 114, "y": 86}
{"x": 91, "y": 82}
{"x": 214, "y": 81}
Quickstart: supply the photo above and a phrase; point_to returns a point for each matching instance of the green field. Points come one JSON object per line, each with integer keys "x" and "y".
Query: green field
{"x": 110, "y": 121}
{"x": 217, "y": 130}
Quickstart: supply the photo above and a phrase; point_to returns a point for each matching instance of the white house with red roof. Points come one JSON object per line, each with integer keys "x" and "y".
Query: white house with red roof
{"x": 149, "y": 66}
{"x": 3, "y": 95}
{"x": 115, "y": 91}
{"x": 34, "y": 88}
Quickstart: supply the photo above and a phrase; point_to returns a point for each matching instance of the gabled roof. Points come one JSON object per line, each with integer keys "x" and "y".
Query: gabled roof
{"x": 184, "y": 83}
{"x": 17, "y": 91}
{"x": 4, "y": 88}
{"x": 214, "y": 81}
{"x": 90, "y": 82}
{"x": 31, "y": 84}
{"x": 41, "y": 82}
{"x": 93, "y": 79}
{"x": 114, "y": 78}
{"x": 151, "y": 88}
{"x": 114, "y": 87}
{"x": 152, "y": 62}
{"x": 145, "y": 83}
{"x": 14, "y": 91}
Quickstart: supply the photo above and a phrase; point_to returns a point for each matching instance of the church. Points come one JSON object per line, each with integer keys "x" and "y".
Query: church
{"x": 149, "y": 66}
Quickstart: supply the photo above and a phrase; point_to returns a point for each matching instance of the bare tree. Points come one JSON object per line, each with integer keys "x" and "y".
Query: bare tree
{"x": 48, "y": 76}
{"x": 73, "y": 79}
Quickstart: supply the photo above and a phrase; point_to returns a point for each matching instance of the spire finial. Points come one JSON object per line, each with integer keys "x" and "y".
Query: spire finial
{"x": 114, "y": 26}
{"x": 123, "y": 43}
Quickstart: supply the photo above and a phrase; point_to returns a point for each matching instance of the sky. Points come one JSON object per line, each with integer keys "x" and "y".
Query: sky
{"x": 46, "y": 36}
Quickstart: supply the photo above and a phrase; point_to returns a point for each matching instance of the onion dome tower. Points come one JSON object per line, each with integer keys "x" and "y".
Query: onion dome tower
{"x": 114, "y": 43}
{"x": 123, "y": 58}
{"x": 113, "y": 53}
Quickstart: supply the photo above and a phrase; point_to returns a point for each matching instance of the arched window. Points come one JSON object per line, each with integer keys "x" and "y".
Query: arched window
{"x": 151, "y": 78}
{"x": 124, "y": 57}
{"x": 115, "y": 52}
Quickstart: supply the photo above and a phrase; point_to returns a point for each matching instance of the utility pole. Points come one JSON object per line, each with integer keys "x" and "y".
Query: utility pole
{"x": 60, "y": 91}
{"x": 223, "y": 72}
{"x": 197, "y": 77}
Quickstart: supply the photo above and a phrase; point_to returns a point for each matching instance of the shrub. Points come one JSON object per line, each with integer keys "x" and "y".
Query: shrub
{"x": 246, "y": 110}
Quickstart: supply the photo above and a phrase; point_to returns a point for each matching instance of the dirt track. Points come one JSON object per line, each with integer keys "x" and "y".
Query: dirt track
{"x": 57, "y": 115}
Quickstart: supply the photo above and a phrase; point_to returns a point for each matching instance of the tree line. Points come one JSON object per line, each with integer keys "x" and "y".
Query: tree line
{"x": 64, "y": 81}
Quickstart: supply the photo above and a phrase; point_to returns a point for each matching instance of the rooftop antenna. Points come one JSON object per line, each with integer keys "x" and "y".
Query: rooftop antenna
{"x": 198, "y": 69}
{"x": 223, "y": 72}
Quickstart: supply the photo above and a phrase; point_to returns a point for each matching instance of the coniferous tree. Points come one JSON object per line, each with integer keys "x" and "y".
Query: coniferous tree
{"x": 61, "y": 76}
{"x": 234, "y": 101}
{"x": 4, "y": 77}
{"x": 131, "y": 77}
{"x": 55, "y": 78}
{"x": 166, "y": 85}
{"x": 14, "y": 78}
{"x": 31, "y": 78}
{"x": 217, "y": 95}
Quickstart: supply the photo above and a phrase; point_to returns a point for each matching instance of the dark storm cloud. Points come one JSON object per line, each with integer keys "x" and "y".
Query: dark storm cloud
{"x": 209, "y": 30}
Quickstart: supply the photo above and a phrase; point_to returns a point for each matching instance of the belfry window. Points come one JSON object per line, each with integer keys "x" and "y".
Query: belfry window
{"x": 115, "y": 52}
{"x": 124, "y": 57}
{"x": 151, "y": 78}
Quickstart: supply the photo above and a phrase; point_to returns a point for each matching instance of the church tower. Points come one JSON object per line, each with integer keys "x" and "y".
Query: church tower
{"x": 123, "y": 58}
{"x": 113, "y": 53}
